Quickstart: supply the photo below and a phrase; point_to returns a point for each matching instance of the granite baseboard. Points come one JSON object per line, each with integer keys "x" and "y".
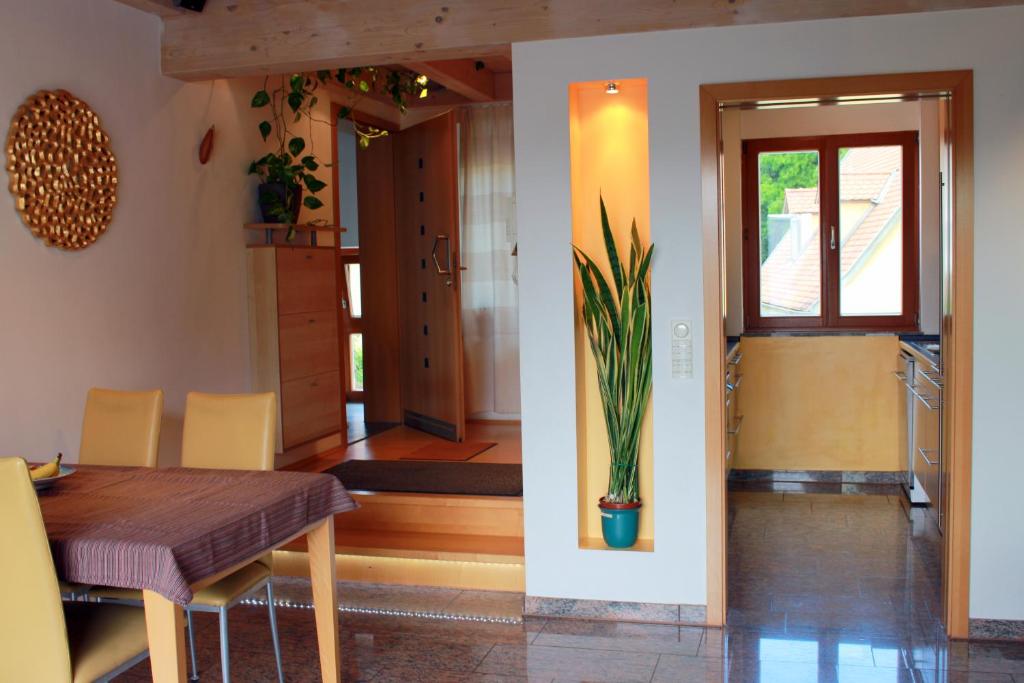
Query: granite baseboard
{"x": 817, "y": 476}
{"x": 611, "y": 610}
{"x": 995, "y": 629}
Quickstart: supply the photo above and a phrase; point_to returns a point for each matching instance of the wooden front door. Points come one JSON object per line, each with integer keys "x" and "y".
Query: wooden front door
{"x": 427, "y": 231}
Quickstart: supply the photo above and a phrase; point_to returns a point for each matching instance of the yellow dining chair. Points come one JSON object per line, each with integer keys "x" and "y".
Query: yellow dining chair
{"x": 42, "y": 639}
{"x": 230, "y": 432}
{"x": 121, "y": 428}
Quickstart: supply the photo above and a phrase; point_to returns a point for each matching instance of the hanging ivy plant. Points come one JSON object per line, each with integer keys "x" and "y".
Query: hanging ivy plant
{"x": 294, "y": 162}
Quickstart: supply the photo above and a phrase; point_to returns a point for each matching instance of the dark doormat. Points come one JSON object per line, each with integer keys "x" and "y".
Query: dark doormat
{"x": 410, "y": 476}
{"x": 451, "y": 451}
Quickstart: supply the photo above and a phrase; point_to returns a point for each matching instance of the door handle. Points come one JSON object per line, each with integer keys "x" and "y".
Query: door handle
{"x": 447, "y": 270}
{"x": 832, "y": 241}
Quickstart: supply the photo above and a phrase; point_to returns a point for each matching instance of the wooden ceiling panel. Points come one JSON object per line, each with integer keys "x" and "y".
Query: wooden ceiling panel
{"x": 250, "y": 37}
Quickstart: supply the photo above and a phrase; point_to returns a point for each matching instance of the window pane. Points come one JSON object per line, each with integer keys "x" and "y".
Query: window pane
{"x": 355, "y": 290}
{"x": 790, "y": 233}
{"x": 355, "y": 360}
{"x": 871, "y": 230}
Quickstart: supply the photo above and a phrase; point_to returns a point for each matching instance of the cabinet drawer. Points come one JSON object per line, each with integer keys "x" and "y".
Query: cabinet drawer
{"x": 310, "y": 407}
{"x": 927, "y": 455}
{"x": 308, "y": 344}
{"x": 305, "y": 280}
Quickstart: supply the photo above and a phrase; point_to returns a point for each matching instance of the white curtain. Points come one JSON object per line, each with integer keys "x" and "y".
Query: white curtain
{"x": 490, "y": 297}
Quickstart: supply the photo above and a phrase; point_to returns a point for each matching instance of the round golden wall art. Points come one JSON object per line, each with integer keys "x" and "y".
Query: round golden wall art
{"x": 63, "y": 173}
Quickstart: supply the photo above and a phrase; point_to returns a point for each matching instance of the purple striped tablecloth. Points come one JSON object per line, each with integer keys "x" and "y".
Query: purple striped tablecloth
{"x": 164, "y": 530}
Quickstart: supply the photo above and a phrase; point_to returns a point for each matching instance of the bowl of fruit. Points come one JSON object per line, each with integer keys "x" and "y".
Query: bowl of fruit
{"x": 44, "y": 476}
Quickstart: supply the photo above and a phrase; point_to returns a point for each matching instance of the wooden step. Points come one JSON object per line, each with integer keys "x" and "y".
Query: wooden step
{"x": 412, "y": 571}
{"x": 425, "y": 539}
{"x": 451, "y": 547}
{"x": 435, "y": 514}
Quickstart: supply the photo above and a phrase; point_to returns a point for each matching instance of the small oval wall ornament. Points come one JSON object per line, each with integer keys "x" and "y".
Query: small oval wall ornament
{"x": 206, "y": 147}
{"x": 62, "y": 171}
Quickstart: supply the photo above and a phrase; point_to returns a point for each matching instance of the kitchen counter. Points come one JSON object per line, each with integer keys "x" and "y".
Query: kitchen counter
{"x": 922, "y": 347}
{"x": 731, "y": 344}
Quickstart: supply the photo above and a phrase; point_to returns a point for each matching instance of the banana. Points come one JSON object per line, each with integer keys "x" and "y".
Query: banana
{"x": 50, "y": 469}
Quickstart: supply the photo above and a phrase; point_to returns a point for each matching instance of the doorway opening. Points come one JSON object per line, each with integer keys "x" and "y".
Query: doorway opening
{"x": 823, "y": 243}
{"x": 430, "y": 301}
{"x": 427, "y": 266}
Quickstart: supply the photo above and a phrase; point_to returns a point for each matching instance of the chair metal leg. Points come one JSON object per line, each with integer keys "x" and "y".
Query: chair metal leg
{"x": 273, "y": 630}
{"x": 192, "y": 645}
{"x": 225, "y": 666}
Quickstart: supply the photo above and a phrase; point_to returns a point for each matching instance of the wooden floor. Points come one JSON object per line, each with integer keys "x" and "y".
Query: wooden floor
{"x": 401, "y": 441}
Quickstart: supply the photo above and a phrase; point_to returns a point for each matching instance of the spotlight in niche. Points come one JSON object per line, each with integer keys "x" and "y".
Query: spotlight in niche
{"x": 612, "y": 88}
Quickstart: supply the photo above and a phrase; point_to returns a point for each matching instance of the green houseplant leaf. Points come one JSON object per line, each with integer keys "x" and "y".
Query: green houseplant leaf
{"x": 618, "y": 328}
{"x": 313, "y": 183}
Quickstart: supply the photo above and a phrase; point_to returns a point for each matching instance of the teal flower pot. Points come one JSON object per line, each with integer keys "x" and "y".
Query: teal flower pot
{"x": 620, "y": 523}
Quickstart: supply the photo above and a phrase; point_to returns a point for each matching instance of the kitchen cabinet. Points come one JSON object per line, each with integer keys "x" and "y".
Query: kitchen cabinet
{"x": 733, "y": 416}
{"x": 923, "y": 381}
{"x": 926, "y": 437}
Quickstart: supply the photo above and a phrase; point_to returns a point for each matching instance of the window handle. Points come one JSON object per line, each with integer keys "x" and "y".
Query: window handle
{"x": 832, "y": 242}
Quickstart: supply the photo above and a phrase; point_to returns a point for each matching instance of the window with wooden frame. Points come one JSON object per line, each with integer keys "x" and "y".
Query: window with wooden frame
{"x": 830, "y": 233}
{"x": 352, "y": 317}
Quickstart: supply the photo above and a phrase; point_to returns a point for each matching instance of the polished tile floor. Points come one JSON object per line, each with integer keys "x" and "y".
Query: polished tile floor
{"x": 838, "y": 589}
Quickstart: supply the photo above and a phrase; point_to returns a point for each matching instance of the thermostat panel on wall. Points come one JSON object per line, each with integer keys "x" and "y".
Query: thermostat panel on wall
{"x": 682, "y": 349}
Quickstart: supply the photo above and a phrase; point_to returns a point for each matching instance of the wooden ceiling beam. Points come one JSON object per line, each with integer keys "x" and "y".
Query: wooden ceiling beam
{"x": 460, "y": 76}
{"x": 253, "y": 37}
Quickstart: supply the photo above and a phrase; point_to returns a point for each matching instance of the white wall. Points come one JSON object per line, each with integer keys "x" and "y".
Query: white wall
{"x": 675, "y": 64}
{"x": 750, "y": 124}
{"x": 348, "y": 194}
{"x": 159, "y": 300}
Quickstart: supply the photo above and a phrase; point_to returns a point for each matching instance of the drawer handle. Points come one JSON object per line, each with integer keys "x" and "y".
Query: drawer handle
{"x": 924, "y": 451}
{"x": 928, "y": 402}
{"x": 933, "y": 377}
{"x": 736, "y": 430}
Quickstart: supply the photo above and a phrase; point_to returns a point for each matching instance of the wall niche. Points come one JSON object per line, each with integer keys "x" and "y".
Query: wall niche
{"x": 609, "y": 157}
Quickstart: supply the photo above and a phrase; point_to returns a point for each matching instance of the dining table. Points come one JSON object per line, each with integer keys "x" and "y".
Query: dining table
{"x": 169, "y": 532}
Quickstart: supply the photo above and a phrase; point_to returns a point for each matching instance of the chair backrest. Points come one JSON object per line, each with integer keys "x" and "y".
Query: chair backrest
{"x": 121, "y": 428}
{"x": 229, "y": 431}
{"x": 33, "y": 639}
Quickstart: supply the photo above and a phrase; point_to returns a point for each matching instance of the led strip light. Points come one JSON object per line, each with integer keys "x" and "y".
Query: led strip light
{"x": 440, "y": 616}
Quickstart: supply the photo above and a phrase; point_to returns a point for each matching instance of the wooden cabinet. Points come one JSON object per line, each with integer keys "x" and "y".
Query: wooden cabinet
{"x": 293, "y": 338}
{"x": 927, "y": 454}
{"x": 733, "y": 416}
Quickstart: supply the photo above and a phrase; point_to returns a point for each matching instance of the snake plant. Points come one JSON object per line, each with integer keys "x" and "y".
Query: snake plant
{"x": 618, "y": 325}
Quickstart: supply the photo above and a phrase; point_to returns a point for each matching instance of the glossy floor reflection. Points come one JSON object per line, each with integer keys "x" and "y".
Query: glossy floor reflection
{"x": 836, "y": 589}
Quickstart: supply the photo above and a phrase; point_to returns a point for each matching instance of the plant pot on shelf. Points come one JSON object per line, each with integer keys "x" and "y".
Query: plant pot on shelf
{"x": 620, "y": 523}
{"x": 273, "y": 197}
